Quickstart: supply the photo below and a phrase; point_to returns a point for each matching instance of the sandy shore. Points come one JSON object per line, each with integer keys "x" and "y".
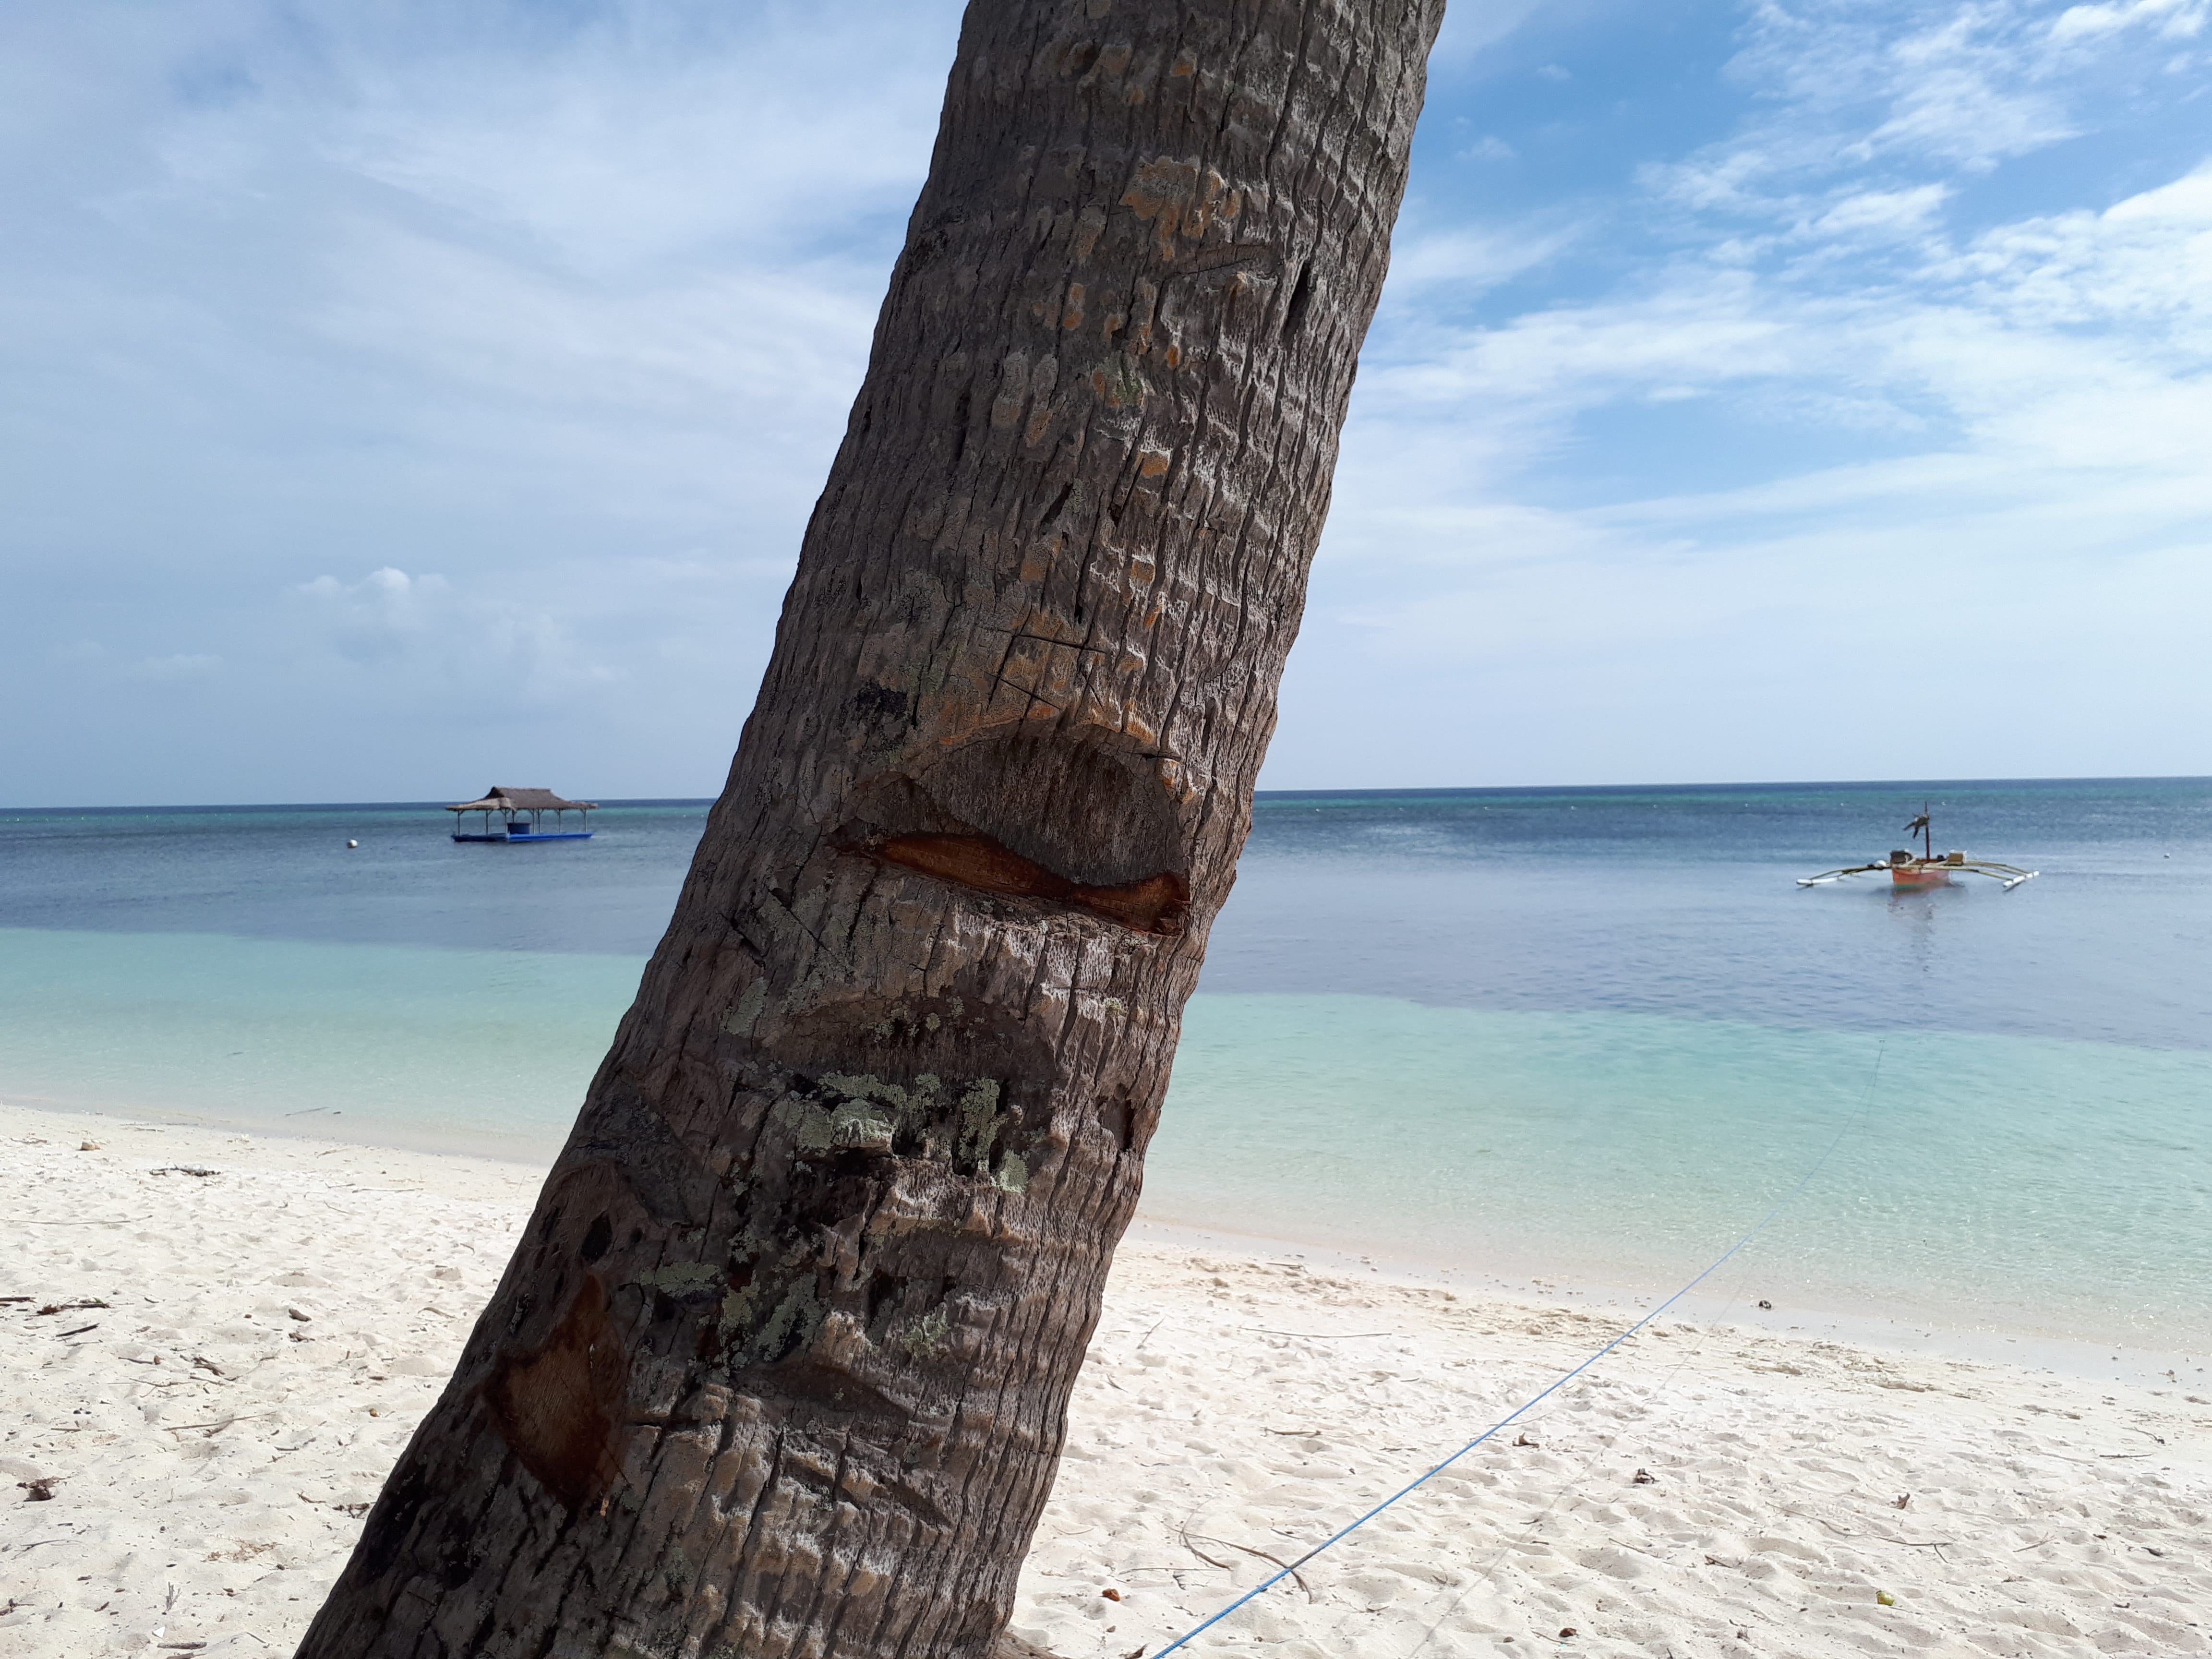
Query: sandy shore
{"x": 215, "y": 1345}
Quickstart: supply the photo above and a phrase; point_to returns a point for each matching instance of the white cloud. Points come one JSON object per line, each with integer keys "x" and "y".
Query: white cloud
{"x": 1432, "y": 265}
{"x": 1964, "y": 92}
{"x": 2144, "y": 264}
{"x": 182, "y": 665}
{"x": 1883, "y": 212}
{"x": 1701, "y": 330}
{"x": 382, "y": 616}
{"x": 1905, "y": 88}
{"x": 1472, "y": 26}
{"x": 424, "y": 639}
{"x": 2174, "y": 20}
{"x": 1987, "y": 340}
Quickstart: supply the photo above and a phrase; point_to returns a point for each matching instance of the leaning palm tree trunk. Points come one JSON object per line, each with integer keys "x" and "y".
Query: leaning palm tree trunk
{"x": 781, "y": 1364}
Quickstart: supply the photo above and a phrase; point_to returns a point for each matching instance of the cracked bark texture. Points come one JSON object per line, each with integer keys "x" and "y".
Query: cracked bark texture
{"x": 780, "y": 1365}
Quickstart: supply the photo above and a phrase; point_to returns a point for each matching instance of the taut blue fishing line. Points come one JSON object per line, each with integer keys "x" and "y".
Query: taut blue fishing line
{"x": 1535, "y": 1400}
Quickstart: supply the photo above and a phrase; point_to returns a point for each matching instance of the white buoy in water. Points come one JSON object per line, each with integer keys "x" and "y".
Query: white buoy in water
{"x": 353, "y": 843}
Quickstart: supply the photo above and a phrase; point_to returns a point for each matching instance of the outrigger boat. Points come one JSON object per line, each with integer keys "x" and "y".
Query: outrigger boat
{"x": 1923, "y": 869}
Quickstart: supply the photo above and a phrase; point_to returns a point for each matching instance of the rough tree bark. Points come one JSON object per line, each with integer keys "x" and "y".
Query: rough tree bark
{"x": 780, "y": 1365}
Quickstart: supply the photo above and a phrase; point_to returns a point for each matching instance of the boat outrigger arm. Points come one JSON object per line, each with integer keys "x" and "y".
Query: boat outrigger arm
{"x": 2009, "y": 875}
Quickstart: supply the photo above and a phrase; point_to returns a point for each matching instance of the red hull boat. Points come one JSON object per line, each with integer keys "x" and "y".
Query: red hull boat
{"x": 1925, "y": 868}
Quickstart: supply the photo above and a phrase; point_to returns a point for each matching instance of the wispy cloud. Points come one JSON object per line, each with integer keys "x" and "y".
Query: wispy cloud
{"x": 1452, "y": 265}
{"x": 2172, "y": 19}
{"x": 179, "y": 665}
{"x": 1883, "y": 213}
{"x": 1897, "y": 88}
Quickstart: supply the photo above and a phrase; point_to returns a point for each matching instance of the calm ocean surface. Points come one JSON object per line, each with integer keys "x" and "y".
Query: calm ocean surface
{"x": 1591, "y": 1033}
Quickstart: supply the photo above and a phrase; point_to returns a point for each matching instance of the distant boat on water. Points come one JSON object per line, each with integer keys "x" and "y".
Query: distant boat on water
{"x": 519, "y": 811}
{"x": 1923, "y": 869}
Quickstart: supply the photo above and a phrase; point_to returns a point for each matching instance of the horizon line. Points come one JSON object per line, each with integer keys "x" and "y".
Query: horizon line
{"x": 1432, "y": 790}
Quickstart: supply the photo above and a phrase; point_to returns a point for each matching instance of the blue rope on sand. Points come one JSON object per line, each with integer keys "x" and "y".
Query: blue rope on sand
{"x": 1530, "y": 1404}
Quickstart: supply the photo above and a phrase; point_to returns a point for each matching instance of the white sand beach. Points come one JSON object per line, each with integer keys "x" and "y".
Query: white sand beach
{"x": 215, "y": 1344}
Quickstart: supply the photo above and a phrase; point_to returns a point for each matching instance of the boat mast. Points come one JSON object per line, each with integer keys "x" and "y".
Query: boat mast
{"x": 1927, "y": 834}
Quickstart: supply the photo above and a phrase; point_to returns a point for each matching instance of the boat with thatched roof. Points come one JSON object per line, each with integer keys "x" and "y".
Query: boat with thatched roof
{"x": 519, "y": 811}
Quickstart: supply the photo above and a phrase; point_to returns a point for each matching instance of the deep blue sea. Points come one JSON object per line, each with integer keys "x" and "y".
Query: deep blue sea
{"x": 1588, "y": 1033}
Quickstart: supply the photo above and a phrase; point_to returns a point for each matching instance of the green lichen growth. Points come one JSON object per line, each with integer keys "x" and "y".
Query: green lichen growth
{"x": 739, "y": 1020}
{"x": 851, "y": 1118}
{"x": 978, "y": 1123}
{"x": 856, "y": 1126}
{"x": 682, "y": 1278}
{"x": 851, "y": 1123}
{"x": 796, "y": 1318}
{"x": 864, "y": 1086}
{"x": 1116, "y": 380}
{"x": 926, "y": 1335}
{"x": 1012, "y": 1174}
{"x": 850, "y": 1111}
{"x": 738, "y": 1308}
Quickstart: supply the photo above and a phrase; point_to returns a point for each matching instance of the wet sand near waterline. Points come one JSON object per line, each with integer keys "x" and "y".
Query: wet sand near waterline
{"x": 1712, "y": 1488}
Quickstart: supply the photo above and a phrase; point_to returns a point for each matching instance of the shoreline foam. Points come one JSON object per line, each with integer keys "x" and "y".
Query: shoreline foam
{"x": 208, "y": 1450}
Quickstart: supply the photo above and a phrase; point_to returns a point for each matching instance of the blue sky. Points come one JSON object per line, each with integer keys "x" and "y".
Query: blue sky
{"x": 398, "y": 396}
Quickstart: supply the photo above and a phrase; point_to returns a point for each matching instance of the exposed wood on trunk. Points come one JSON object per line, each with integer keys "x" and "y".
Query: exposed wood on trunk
{"x": 781, "y": 1364}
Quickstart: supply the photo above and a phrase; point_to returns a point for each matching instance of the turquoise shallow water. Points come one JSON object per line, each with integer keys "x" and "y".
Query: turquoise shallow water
{"x": 2047, "y": 1185}
{"x": 1585, "y": 1035}
{"x": 486, "y": 1049}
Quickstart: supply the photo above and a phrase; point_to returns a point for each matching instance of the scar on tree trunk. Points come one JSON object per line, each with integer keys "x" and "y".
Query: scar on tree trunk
{"x": 781, "y": 1367}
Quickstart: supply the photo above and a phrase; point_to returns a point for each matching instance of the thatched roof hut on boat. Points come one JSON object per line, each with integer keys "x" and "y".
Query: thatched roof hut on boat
{"x": 513, "y": 805}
